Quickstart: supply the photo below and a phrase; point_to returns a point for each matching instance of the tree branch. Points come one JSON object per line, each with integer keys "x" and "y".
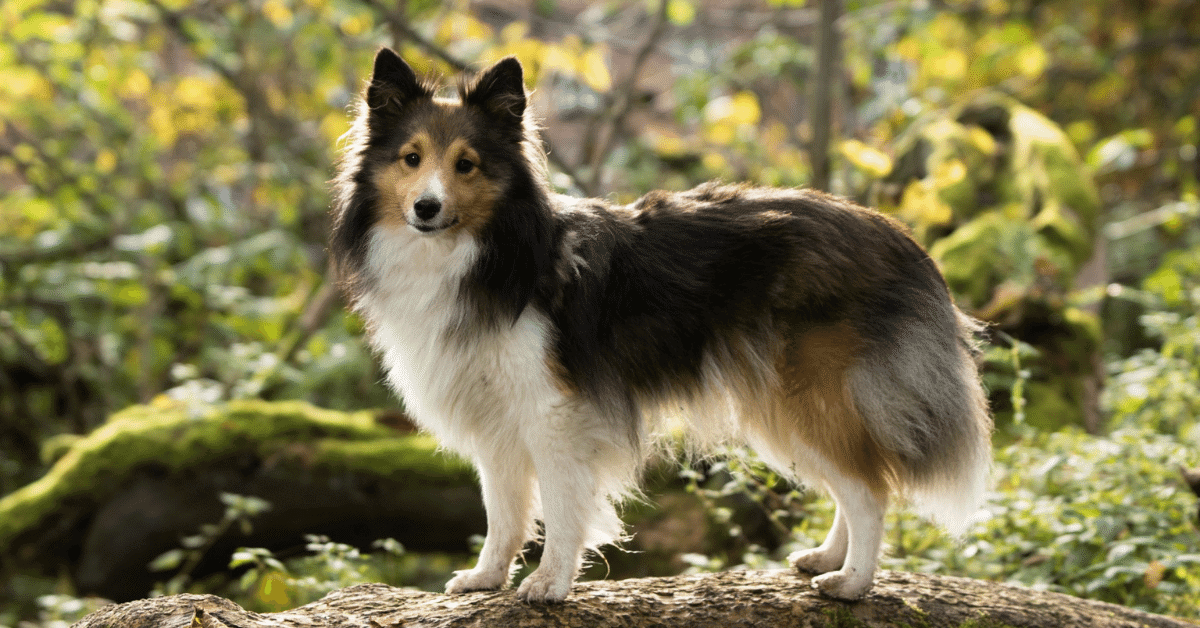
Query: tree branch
{"x": 622, "y": 105}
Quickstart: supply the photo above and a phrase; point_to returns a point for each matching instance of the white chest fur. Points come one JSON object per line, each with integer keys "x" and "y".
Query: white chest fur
{"x": 484, "y": 388}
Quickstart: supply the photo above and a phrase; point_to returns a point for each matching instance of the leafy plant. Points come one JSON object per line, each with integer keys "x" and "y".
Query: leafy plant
{"x": 273, "y": 585}
{"x": 239, "y": 510}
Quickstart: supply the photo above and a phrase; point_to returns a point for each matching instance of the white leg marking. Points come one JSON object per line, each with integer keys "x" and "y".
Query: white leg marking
{"x": 830, "y": 555}
{"x": 569, "y": 496}
{"x": 508, "y": 499}
{"x": 862, "y": 513}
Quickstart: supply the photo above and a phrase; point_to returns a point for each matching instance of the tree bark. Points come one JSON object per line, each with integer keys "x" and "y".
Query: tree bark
{"x": 723, "y": 600}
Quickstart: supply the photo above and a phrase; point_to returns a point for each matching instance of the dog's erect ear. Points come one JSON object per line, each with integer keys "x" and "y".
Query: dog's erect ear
{"x": 499, "y": 90}
{"x": 393, "y": 81}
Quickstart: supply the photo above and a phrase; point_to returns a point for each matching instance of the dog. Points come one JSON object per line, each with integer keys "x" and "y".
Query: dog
{"x": 545, "y": 337}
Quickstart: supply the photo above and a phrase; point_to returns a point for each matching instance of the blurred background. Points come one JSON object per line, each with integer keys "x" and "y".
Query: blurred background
{"x": 183, "y": 396}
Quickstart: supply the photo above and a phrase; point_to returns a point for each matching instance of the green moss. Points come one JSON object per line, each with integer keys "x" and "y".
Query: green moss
{"x": 172, "y": 437}
{"x": 841, "y": 617}
{"x": 414, "y": 456}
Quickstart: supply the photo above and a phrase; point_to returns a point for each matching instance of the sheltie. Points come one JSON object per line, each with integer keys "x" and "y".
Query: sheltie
{"x": 544, "y": 337}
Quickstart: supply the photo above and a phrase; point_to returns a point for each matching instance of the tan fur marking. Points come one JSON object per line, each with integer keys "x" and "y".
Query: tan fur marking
{"x": 819, "y": 409}
{"x": 399, "y": 184}
{"x": 559, "y": 372}
{"x": 470, "y": 197}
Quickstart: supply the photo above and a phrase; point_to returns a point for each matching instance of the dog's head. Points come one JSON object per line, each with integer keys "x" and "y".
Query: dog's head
{"x": 434, "y": 166}
{"x": 442, "y": 163}
{"x": 427, "y": 167}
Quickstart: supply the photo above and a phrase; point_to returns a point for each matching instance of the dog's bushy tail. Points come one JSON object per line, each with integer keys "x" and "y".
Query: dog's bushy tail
{"x": 922, "y": 399}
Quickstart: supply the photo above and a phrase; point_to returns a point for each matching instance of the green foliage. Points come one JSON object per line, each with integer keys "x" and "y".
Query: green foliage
{"x": 239, "y": 510}
{"x": 1105, "y": 518}
{"x": 1156, "y": 388}
{"x": 268, "y": 584}
{"x": 55, "y": 610}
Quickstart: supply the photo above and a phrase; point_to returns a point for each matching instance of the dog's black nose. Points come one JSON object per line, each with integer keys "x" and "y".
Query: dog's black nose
{"x": 427, "y": 208}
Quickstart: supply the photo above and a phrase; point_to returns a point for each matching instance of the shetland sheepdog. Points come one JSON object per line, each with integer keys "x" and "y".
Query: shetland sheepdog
{"x": 545, "y": 337}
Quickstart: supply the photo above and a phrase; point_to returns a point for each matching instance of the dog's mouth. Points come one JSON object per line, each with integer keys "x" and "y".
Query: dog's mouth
{"x": 432, "y": 228}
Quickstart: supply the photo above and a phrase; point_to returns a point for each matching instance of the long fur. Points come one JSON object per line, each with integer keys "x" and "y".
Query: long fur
{"x": 543, "y": 336}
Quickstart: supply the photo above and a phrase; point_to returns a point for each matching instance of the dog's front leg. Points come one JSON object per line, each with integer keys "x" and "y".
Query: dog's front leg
{"x": 507, "y": 485}
{"x": 569, "y": 501}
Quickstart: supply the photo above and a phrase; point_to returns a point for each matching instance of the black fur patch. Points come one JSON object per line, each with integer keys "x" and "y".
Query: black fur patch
{"x": 671, "y": 277}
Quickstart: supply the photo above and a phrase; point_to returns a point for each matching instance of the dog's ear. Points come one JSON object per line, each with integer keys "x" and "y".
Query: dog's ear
{"x": 500, "y": 91}
{"x": 393, "y": 81}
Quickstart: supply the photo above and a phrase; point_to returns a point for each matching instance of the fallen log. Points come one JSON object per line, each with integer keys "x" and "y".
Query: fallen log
{"x": 722, "y": 600}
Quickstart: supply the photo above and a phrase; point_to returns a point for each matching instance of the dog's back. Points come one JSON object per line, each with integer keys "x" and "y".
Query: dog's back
{"x": 787, "y": 317}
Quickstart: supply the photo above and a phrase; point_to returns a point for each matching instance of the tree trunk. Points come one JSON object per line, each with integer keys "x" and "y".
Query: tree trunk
{"x": 823, "y": 88}
{"x": 724, "y": 600}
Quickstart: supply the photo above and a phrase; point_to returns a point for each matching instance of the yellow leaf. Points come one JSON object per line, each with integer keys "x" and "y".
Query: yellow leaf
{"x": 948, "y": 173}
{"x": 1032, "y": 60}
{"x": 19, "y": 84}
{"x": 1036, "y": 127}
{"x": 714, "y": 162}
{"x": 741, "y": 108}
{"x": 164, "y": 402}
{"x": 194, "y": 92}
{"x": 950, "y": 65}
{"x": 277, "y": 13}
{"x": 354, "y": 25}
{"x": 872, "y": 161}
{"x": 273, "y": 590}
{"x": 1154, "y": 574}
{"x": 720, "y": 132}
{"x": 461, "y": 25}
{"x": 514, "y": 31}
{"x": 667, "y": 143}
{"x": 106, "y": 161}
{"x": 680, "y": 12}
{"x": 333, "y": 126}
{"x": 909, "y": 48}
{"x": 745, "y": 109}
{"x": 557, "y": 58}
{"x": 162, "y": 125}
{"x": 136, "y": 85}
{"x": 594, "y": 71}
{"x": 920, "y": 205}
{"x": 981, "y": 139}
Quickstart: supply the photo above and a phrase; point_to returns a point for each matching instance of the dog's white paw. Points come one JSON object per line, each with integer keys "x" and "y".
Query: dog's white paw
{"x": 816, "y": 560}
{"x": 544, "y": 585}
{"x": 844, "y": 584}
{"x": 476, "y": 580}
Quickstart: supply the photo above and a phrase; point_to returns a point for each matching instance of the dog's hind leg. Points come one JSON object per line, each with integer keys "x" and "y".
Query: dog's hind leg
{"x": 830, "y": 555}
{"x": 817, "y": 432}
{"x": 507, "y": 485}
{"x": 860, "y": 512}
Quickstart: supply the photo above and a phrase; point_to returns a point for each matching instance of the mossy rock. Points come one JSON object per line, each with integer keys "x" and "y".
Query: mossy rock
{"x": 129, "y": 490}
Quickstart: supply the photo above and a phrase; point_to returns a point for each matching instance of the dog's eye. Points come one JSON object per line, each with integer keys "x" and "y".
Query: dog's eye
{"x": 464, "y": 166}
{"x": 412, "y": 159}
